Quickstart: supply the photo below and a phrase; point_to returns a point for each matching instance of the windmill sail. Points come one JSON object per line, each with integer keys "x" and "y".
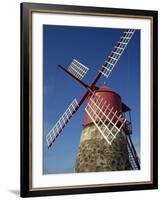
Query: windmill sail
{"x": 133, "y": 157}
{"x": 77, "y": 69}
{"x": 64, "y": 119}
{"x": 116, "y": 53}
{"x": 108, "y": 122}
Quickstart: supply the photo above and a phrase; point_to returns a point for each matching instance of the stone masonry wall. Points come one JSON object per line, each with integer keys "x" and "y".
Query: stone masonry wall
{"x": 96, "y": 155}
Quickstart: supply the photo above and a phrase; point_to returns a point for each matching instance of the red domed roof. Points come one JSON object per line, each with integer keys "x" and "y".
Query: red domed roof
{"x": 105, "y": 88}
{"x": 112, "y": 98}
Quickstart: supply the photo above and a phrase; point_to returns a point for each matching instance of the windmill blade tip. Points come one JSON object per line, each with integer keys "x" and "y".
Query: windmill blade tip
{"x": 49, "y": 145}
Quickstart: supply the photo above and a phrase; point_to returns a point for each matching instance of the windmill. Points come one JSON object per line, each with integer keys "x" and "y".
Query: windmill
{"x": 106, "y": 142}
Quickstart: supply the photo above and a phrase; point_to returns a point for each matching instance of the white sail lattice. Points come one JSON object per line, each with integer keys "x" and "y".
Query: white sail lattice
{"x": 133, "y": 157}
{"x": 77, "y": 69}
{"x": 116, "y": 53}
{"x": 108, "y": 122}
{"x": 58, "y": 127}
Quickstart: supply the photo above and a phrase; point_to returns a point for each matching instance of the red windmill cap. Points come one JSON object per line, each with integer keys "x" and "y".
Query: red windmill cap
{"x": 105, "y": 88}
{"x": 110, "y": 97}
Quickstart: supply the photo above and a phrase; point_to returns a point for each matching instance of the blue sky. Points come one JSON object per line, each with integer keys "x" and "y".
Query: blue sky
{"x": 90, "y": 46}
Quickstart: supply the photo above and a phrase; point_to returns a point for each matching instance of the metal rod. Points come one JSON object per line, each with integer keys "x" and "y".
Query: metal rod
{"x": 77, "y": 79}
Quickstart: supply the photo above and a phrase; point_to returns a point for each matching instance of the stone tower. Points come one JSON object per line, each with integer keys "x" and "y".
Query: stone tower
{"x": 94, "y": 153}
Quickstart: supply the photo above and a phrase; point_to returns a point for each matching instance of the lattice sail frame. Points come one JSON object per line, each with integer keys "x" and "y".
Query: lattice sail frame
{"x": 133, "y": 157}
{"x": 104, "y": 117}
{"x": 58, "y": 127}
{"x": 116, "y": 53}
{"x": 78, "y": 69}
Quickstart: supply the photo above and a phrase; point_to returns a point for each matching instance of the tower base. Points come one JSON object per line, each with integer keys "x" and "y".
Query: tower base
{"x": 96, "y": 155}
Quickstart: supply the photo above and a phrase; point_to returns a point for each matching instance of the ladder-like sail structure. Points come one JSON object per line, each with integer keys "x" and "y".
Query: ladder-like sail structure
{"x": 78, "y": 69}
{"x": 118, "y": 50}
{"x": 108, "y": 121}
{"x": 64, "y": 119}
{"x": 133, "y": 157}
